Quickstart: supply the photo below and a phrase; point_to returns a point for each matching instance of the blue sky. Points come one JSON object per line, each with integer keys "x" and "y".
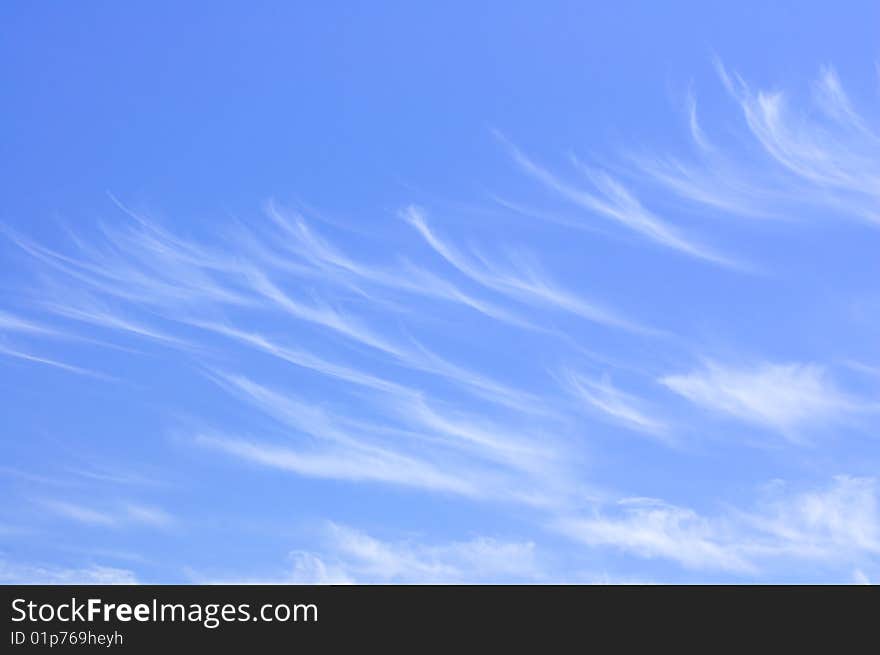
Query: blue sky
{"x": 471, "y": 292}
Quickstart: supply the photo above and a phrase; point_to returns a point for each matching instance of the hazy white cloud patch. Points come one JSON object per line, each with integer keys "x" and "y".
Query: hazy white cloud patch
{"x": 612, "y": 200}
{"x": 12, "y": 323}
{"x": 520, "y": 280}
{"x": 407, "y": 277}
{"x": 835, "y": 526}
{"x": 18, "y": 573}
{"x": 356, "y": 464}
{"x": 416, "y": 443}
{"x": 650, "y": 528}
{"x": 860, "y": 578}
{"x": 839, "y": 154}
{"x": 355, "y": 556}
{"x": 114, "y": 515}
{"x": 785, "y": 397}
{"x": 814, "y": 152}
{"x": 838, "y": 519}
{"x": 18, "y": 353}
{"x": 613, "y": 404}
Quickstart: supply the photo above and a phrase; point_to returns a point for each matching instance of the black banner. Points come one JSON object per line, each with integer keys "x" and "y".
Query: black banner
{"x": 149, "y": 618}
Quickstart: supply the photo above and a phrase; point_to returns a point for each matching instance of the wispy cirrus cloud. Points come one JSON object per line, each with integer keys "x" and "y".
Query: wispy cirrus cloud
{"x": 110, "y": 515}
{"x": 618, "y": 406}
{"x": 343, "y": 463}
{"x": 835, "y": 525}
{"x": 482, "y": 558}
{"x": 508, "y": 444}
{"x": 697, "y": 134}
{"x": 12, "y": 323}
{"x": 351, "y": 556}
{"x": 612, "y": 200}
{"x": 414, "y": 445}
{"x": 17, "y": 573}
{"x": 813, "y": 153}
{"x": 523, "y": 283}
{"x": 146, "y": 283}
{"x": 841, "y": 518}
{"x": 147, "y": 268}
{"x": 839, "y": 154}
{"x": 653, "y": 529}
{"x": 407, "y": 277}
{"x": 304, "y": 359}
{"x": 782, "y": 396}
{"x": 89, "y": 311}
{"x": 19, "y": 353}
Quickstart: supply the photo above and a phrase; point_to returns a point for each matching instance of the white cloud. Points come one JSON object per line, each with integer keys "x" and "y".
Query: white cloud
{"x": 347, "y": 463}
{"x": 835, "y": 526}
{"x": 507, "y": 444}
{"x": 80, "y": 514}
{"x": 350, "y": 556}
{"x": 614, "y": 404}
{"x": 653, "y": 529}
{"x": 303, "y": 358}
{"x": 839, "y": 519}
{"x": 357, "y": 556}
{"x": 89, "y": 311}
{"x": 111, "y": 515}
{"x": 783, "y": 397}
{"x": 12, "y": 323}
{"x": 144, "y": 268}
{"x": 612, "y": 200}
{"x": 306, "y": 569}
{"x": 431, "y": 446}
{"x": 408, "y": 278}
{"x": 859, "y": 577}
{"x": 819, "y": 155}
{"x": 525, "y": 283}
{"x": 696, "y": 129}
{"x": 18, "y": 353}
{"x": 147, "y": 515}
{"x": 839, "y": 155}
{"x": 15, "y": 573}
